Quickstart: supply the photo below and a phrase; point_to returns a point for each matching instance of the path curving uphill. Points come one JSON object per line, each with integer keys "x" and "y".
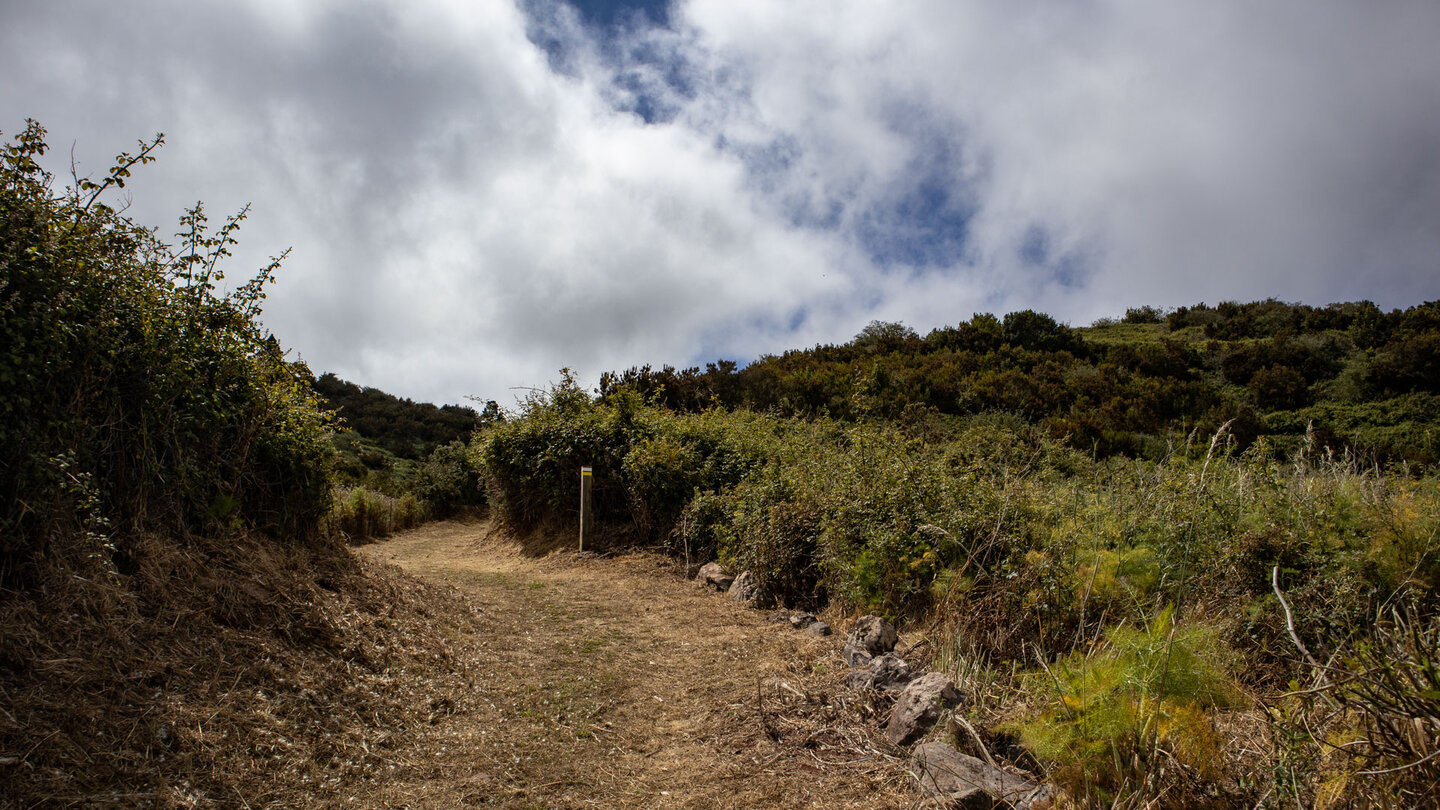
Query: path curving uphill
{"x": 613, "y": 682}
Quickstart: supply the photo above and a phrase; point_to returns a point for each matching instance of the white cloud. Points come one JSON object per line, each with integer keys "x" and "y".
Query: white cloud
{"x": 1222, "y": 150}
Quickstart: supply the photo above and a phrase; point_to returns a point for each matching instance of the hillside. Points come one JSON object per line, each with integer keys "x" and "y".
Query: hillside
{"x": 398, "y": 426}
{"x": 1348, "y": 376}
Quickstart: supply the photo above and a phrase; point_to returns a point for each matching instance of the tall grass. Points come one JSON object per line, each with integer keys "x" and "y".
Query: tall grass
{"x": 359, "y": 514}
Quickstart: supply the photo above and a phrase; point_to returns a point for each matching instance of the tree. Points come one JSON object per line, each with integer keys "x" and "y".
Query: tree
{"x": 1279, "y": 388}
{"x": 884, "y": 337}
{"x": 1039, "y": 332}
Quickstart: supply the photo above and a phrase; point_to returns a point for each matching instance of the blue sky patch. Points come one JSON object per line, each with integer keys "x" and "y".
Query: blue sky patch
{"x": 605, "y": 13}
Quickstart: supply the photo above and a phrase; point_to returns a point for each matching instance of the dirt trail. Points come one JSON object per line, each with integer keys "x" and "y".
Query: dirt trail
{"x": 612, "y": 682}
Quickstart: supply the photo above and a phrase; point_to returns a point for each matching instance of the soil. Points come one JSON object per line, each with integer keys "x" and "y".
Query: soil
{"x": 612, "y": 681}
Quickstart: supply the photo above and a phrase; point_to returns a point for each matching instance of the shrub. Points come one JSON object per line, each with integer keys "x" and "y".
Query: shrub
{"x": 1145, "y": 314}
{"x": 448, "y": 481}
{"x": 1110, "y": 719}
{"x": 1392, "y": 683}
{"x": 531, "y": 463}
{"x": 682, "y": 456}
{"x": 359, "y": 514}
{"x": 1279, "y": 388}
{"x": 133, "y": 395}
{"x": 773, "y": 533}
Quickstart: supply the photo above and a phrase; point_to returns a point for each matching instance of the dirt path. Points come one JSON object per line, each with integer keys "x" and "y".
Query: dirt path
{"x": 612, "y": 682}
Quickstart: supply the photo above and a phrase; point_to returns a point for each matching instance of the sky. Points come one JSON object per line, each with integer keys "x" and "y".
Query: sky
{"x": 478, "y": 193}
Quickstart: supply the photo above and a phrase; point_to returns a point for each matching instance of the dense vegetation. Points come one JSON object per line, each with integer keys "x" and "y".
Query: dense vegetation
{"x": 398, "y": 462}
{"x": 135, "y": 396}
{"x": 1345, "y": 377}
{"x": 401, "y": 427}
{"x": 1115, "y": 598}
{"x": 165, "y": 475}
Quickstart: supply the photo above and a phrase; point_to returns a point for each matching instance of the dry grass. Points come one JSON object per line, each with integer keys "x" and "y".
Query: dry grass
{"x": 613, "y": 682}
{"x": 231, "y": 673}
{"x": 245, "y": 675}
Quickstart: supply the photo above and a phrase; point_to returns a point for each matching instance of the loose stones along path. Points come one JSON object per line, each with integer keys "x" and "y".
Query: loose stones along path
{"x": 613, "y": 682}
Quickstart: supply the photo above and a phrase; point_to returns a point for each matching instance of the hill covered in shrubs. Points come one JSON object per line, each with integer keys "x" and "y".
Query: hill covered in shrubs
{"x": 1348, "y": 376}
{"x": 398, "y": 462}
{"x": 1124, "y": 538}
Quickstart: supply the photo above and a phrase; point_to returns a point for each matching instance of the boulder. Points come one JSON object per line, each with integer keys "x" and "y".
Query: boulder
{"x": 819, "y": 628}
{"x": 888, "y": 673}
{"x": 855, "y": 655}
{"x": 713, "y": 575}
{"x": 919, "y": 706}
{"x": 967, "y": 783}
{"x": 745, "y": 588}
{"x": 800, "y": 621}
{"x": 873, "y": 634}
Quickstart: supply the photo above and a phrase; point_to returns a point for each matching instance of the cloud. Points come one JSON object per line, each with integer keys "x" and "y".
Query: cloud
{"x": 479, "y": 193}
{"x": 464, "y": 218}
{"x": 1161, "y": 155}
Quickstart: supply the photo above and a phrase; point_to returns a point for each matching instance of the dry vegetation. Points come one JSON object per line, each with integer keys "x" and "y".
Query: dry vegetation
{"x": 613, "y": 682}
{"x": 231, "y": 675}
{"x": 243, "y": 676}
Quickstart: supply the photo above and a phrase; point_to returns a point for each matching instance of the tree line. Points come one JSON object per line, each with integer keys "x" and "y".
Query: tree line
{"x": 1347, "y": 376}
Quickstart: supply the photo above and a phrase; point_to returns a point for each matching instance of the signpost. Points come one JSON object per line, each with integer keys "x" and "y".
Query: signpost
{"x": 585, "y": 476}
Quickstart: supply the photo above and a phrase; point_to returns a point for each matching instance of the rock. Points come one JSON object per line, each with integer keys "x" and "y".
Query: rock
{"x": 875, "y": 635}
{"x": 972, "y": 784}
{"x": 919, "y": 706}
{"x": 744, "y": 588}
{"x": 800, "y": 621}
{"x": 888, "y": 673}
{"x": 855, "y": 655}
{"x": 714, "y": 576}
{"x": 819, "y": 628}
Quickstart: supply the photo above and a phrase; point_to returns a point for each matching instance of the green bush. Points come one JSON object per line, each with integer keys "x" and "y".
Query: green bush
{"x": 531, "y": 463}
{"x": 682, "y": 456}
{"x": 134, "y": 395}
{"x": 1110, "y": 719}
{"x": 448, "y": 481}
{"x": 359, "y": 514}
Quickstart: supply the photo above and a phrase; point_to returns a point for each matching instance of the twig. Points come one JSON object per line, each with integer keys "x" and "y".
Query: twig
{"x": 965, "y": 724}
{"x": 1416, "y": 763}
{"x": 1295, "y": 637}
{"x": 792, "y": 690}
{"x": 764, "y": 718}
{"x": 1290, "y": 622}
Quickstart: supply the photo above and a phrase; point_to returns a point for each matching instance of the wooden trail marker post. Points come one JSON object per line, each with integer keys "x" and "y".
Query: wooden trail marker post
{"x": 585, "y": 517}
